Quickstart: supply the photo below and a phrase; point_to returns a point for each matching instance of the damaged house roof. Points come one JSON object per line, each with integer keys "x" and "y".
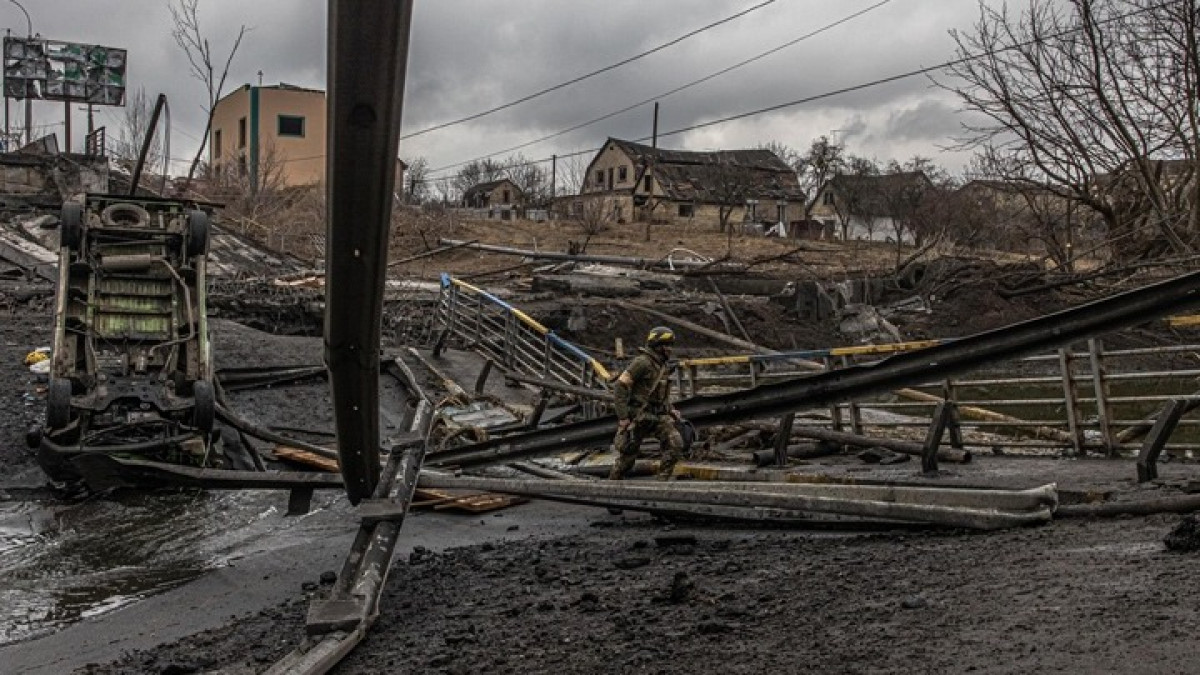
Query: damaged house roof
{"x": 705, "y": 177}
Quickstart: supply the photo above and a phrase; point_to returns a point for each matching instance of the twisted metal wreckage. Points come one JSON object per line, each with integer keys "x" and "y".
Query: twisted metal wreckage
{"x": 368, "y": 45}
{"x": 365, "y": 104}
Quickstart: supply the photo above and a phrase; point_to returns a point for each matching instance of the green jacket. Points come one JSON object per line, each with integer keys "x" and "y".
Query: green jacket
{"x": 644, "y": 387}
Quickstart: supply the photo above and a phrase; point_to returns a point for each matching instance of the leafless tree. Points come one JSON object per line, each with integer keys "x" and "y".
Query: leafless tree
{"x": 1096, "y": 101}
{"x": 255, "y": 196}
{"x": 476, "y": 172}
{"x": 858, "y": 198}
{"x": 823, "y": 161}
{"x": 530, "y": 178}
{"x": 185, "y": 28}
{"x": 572, "y": 172}
{"x": 418, "y": 189}
{"x": 135, "y": 124}
{"x": 595, "y": 215}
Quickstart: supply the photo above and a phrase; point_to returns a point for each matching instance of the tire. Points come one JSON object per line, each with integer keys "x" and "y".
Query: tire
{"x": 125, "y": 215}
{"x": 58, "y": 404}
{"x": 70, "y": 226}
{"x": 197, "y": 234}
{"x": 204, "y": 406}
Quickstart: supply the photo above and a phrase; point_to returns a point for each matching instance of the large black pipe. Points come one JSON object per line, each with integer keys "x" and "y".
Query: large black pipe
{"x": 926, "y": 365}
{"x": 368, "y": 54}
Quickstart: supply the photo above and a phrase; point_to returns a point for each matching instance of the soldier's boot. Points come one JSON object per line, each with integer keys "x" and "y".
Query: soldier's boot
{"x": 622, "y": 466}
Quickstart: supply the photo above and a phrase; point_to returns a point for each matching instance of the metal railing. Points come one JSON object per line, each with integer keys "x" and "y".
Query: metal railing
{"x": 1078, "y": 401}
{"x": 515, "y": 341}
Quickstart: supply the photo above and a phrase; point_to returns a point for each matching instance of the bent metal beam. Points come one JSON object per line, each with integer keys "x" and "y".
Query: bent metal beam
{"x": 368, "y": 54}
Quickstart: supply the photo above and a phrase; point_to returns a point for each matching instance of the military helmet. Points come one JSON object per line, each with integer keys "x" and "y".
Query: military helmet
{"x": 660, "y": 335}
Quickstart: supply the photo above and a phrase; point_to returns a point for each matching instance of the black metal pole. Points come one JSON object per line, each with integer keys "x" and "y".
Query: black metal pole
{"x": 368, "y": 55}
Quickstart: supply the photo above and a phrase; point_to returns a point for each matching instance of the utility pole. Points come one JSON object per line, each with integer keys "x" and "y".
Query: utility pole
{"x": 553, "y": 175}
{"x": 28, "y": 101}
{"x": 67, "y": 122}
{"x": 7, "y": 136}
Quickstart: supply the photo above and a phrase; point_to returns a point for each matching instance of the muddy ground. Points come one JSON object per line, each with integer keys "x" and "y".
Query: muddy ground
{"x": 635, "y": 594}
{"x": 1075, "y": 597}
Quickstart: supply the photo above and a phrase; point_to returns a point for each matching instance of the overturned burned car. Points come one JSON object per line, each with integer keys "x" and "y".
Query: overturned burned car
{"x": 131, "y": 373}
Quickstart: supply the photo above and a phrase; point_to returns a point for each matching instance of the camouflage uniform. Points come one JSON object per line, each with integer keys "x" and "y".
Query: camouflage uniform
{"x": 643, "y": 395}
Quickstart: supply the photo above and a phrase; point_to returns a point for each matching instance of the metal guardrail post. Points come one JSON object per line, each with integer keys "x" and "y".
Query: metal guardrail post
{"x": 1103, "y": 410}
{"x": 856, "y": 425}
{"x": 783, "y": 437}
{"x": 509, "y": 357}
{"x": 950, "y": 393}
{"x": 1072, "y": 405}
{"x": 835, "y": 410}
{"x": 943, "y": 414}
{"x": 478, "y": 319}
{"x": 1164, "y": 425}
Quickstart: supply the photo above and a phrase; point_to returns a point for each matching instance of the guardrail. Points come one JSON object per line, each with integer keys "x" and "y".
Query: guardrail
{"x": 514, "y": 340}
{"x": 1083, "y": 400}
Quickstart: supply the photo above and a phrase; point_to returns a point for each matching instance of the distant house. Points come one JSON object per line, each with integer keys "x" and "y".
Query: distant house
{"x": 638, "y": 182}
{"x": 494, "y": 193}
{"x": 871, "y": 208}
{"x": 274, "y": 129}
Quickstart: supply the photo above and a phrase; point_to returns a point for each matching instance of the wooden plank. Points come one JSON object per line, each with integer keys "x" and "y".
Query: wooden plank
{"x": 306, "y": 458}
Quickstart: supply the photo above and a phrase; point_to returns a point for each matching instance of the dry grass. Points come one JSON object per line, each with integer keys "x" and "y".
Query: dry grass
{"x": 795, "y": 258}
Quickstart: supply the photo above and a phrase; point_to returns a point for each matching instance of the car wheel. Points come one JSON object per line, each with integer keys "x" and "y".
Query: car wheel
{"x": 204, "y": 409}
{"x": 197, "y": 235}
{"x": 58, "y": 404}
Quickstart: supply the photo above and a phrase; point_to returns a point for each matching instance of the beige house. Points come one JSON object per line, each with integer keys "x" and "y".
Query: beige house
{"x": 278, "y": 128}
{"x": 637, "y": 182}
{"x": 501, "y": 192}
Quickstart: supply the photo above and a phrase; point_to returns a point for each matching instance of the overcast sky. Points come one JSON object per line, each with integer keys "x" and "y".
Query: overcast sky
{"x": 470, "y": 55}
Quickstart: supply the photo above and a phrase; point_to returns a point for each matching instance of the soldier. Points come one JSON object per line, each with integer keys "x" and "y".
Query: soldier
{"x": 642, "y": 396}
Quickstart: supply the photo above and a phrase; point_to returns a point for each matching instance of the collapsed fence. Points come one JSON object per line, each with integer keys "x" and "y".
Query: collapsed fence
{"x": 1077, "y": 400}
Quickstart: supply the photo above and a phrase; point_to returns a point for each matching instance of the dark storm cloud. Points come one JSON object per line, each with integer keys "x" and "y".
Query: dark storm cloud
{"x": 469, "y": 55}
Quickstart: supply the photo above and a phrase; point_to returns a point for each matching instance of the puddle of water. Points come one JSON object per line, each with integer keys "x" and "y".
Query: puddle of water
{"x": 62, "y": 563}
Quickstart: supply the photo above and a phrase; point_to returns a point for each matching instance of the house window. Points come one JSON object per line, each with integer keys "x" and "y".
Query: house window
{"x": 648, "y": 183}
{"x": 242, "y": 166}
{"x": 622, "y": 174}
{"x": 242, "y": 133}
{"x": 686, "y": 211}
{"x": 827, "y": 199}
{"x": 600, "y": 177}
{"x": 217, "y": 144}
{"x": 576, "y": 208}
{"x": 291, "y": 125}
{"x": 506, "y": 198}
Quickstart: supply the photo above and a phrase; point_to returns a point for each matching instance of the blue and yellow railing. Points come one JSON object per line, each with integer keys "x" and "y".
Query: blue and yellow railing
{"x": 512, "y": 338}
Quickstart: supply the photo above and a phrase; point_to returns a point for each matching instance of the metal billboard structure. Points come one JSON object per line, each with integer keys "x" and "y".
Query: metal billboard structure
{"x": 53, "y": 70}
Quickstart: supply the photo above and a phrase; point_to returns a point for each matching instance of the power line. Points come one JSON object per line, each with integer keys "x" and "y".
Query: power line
{"x": 844, "y": 90}
{"x": 676, "y": 90}
{"x": 594, "y": 73}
